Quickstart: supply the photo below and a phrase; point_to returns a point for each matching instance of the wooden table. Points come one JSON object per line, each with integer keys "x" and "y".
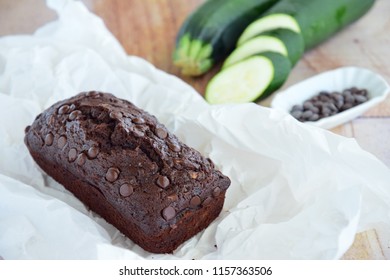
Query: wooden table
{"x": 148, "y": 28}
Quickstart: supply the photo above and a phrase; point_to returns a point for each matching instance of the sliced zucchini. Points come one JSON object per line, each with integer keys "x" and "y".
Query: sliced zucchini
{"x": 292, "y": 40}
{"x": 210, "y": 33}
{"x": 267, "y": 23}
{"x": 254, "y": 46}
{"x": 283, "y": 41}
{"x": 249, "y": 80}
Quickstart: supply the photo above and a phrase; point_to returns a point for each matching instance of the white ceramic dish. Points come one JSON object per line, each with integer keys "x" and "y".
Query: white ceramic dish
{"x": 335, "y": 80}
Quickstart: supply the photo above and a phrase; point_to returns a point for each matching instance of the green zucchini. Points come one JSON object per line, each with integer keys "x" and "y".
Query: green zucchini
{"x": 283, "y": 41}
{"x": 267, "y": 23}
{"x": 256, "y": 45}
{"x": 317, "y": 19}
{"x": 251, "y": 79}
{"x": 210, "y": 33}
{"x": 292, "y": 40}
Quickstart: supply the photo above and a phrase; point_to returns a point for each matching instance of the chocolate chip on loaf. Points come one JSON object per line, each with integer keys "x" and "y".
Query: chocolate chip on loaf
{"x": 112, "y": 174}
{"x": 49, "y": 139}
{"x": 61, "y": 141}
{"x": 127, "y": 167}
{"x": 162, "y": 181}
{"x": 93, "y": 152}
{"x": 81, "y": 159}
{"x": 126, "y": 190}
{"x": 72, "y": 155}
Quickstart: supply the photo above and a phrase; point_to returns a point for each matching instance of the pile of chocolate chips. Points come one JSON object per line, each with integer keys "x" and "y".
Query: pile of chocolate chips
{"x": 327, "y": 104}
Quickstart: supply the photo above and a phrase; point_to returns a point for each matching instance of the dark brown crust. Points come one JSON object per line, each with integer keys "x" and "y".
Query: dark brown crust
{"x": 177, "y": 192}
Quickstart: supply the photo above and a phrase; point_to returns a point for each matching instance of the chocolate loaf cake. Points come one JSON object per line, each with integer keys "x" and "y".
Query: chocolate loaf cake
{"x": 127, "y": 167}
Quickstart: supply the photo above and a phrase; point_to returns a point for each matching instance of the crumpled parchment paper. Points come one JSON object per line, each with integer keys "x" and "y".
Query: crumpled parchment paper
{"x": 297, "y": 192}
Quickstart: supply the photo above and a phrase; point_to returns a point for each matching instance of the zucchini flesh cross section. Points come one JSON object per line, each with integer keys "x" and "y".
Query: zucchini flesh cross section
{"x": 242, "y": 82}
{"x": 293, "y": 41}
{"x": 267, "y": 23}
{"x": 254, "y": 46}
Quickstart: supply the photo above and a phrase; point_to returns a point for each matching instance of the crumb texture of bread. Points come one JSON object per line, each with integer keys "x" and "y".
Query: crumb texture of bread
{"x": 128, "y": 168}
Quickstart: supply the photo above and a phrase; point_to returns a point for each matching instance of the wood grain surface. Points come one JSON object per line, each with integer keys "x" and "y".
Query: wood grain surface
{"x": 147, "y": 28}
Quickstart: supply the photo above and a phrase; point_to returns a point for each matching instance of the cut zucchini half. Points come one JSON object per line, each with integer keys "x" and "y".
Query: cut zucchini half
{"x": 249, "y": 80}
{"x": 262, "y": 43}
{"x": 293, "y": 41}
{"x": 210, "y": 33}
{"x": 267, "y": 23}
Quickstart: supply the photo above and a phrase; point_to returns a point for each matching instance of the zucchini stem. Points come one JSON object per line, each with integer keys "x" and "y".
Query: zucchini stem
{"x": 192, "y": 56}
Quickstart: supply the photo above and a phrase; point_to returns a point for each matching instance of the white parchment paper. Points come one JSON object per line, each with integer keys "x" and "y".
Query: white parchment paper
{"x": 297, "y": 192}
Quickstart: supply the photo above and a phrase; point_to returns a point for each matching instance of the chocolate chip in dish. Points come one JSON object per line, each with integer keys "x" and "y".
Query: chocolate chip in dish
{"x": 326, "y": 104}
{"x": 128, "y": 168}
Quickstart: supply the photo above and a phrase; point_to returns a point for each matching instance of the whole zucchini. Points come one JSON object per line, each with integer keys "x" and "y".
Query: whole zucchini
{"x": 317, "y": 19}
{"x": 210, "y": 33}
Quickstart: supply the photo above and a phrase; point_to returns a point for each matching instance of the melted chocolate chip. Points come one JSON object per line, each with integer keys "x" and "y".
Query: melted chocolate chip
{"x": 112, "y": 174}
{"x": 162, "y": 181}
{"x": 74, "y": 115}
{"x": 195, "y": 201}
{"x": 138, "y": 120}
{"x": 81, "y": 159}
{"x": 137, "y": 132}
{"x": 168, "y": 213}
{"x": 63, "y": 109}
{"x": 216, "y": 192}
{"x": 72, "y": 155}
{"x": 173, "y": 197}
{"x": 126, "y": 190}
{"x": 93, "y": 152}
{"x": 174, "y": 146}
{"x": 49, "y": 139}
{"x": 61, "y": 141}
{"x": 72, "y": 107}
{"x": 161, "y": 133}
{"x": 92, "y": 94}
{"x": 115, "y": 115}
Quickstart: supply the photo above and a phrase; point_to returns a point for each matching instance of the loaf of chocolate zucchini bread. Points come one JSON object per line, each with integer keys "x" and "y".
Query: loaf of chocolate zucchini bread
{"x": 128, "y": 168}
